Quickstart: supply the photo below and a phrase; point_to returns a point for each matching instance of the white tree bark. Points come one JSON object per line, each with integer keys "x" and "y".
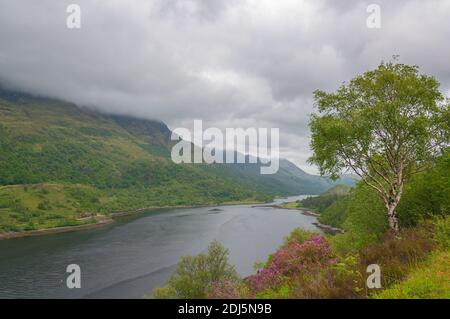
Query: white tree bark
{"x": 392, "y": 216}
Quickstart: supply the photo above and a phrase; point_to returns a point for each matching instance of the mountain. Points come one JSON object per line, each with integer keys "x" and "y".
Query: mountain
{"x": 58, "y": 160}
{"x": 289, "y": 180}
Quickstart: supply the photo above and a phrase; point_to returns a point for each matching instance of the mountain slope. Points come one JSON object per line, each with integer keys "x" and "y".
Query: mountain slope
{"x": 57, "y": 159}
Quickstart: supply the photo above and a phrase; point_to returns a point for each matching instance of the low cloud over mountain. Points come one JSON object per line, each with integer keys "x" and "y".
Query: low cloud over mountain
{"x": 252, "y": 63}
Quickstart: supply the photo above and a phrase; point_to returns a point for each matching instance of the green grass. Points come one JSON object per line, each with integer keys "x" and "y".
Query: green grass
{"x": 32, "y": 207}
{"x": 429, "y": 281}
{"x": 290, "y": 205}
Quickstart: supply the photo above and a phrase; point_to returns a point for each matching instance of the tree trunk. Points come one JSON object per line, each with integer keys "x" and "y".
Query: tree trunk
{"x": 392, "y": 216}
{"x": 395, "y": 194}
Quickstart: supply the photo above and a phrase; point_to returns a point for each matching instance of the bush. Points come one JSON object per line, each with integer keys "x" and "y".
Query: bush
{"x": 228, "y": 289}
{"x": 291, "y": 260}
{"x": 195, "y": 275}
{"x": 339, "y": 280}
{"x": 335, "y": 214}
{"x": 427, "y": 194}
{"x": 164, "y": 293}
{"x": 307, "y": 269}
{"x": 397, "y": 254}
{"x": 427, "y": 281}
{"x": 45, "y": 205}
{"x": 299, "y": 236}
{"x": 441, "y": 231}
{"x": 325, "y": 200}
{"x": 365, "y": 221}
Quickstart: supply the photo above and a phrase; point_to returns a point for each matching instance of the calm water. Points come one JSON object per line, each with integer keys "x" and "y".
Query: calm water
{"x": 132, "y": 256}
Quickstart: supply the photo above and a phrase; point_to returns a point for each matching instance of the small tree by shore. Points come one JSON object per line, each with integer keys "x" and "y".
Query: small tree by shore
{"x": 195, "y": 275}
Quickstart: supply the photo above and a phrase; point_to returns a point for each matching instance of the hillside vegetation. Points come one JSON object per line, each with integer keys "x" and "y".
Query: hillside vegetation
{"x": 58, "y": 161}
{"x": 324, "y": 200}
{"x": 429, "y": 280}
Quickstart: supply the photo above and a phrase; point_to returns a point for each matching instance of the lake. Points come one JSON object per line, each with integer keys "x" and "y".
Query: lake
{"x": 130, "y": 257}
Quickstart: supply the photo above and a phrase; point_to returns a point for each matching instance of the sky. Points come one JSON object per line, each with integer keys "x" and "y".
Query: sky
{"x": 230, "y": 63}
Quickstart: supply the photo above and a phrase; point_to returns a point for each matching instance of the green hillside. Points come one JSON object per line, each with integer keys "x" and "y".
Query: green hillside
{"x": 289, "y": 180}
{"x": 58, "y": 161}
{"x": 324, "y": 200}
{"x": 82, "y": 160}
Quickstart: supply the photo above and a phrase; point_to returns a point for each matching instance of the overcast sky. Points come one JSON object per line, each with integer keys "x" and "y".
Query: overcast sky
{"x": 231, "y": 63}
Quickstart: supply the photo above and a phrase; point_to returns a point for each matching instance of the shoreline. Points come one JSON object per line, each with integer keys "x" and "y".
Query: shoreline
{"x": 55, "y": 230}
{"x": 102, "y": 221}
{"x": 326, "y": 228}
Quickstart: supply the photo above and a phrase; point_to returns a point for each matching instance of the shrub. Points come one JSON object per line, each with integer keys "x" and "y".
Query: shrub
{"x": 45, "y": 205}
{"x": 336, "y": 213}
{"x": 325, "y": 200}
{"x": 195, "y": 275}
{"x": 291, "y": 260}
{"x": 366, "y": 215}
{"x": 339, "y": 280}
{"x": 164, "y": 293}
{"x": 430, "y": 280}
{"x": 228, "y": 289}
{"x": 365, "y": 220}
{"x": 427, "y": 194}
{"x": 299, "y": 236}
{"x": 308, "y": 269}
{"x": 441, "y": 231}
{"x": 280, "y": 292}
{"x": 397, "y": 254}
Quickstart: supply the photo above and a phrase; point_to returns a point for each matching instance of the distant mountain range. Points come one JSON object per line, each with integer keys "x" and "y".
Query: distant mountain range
{"x": 124, "y": 160}
{"x": 78, "y": 135}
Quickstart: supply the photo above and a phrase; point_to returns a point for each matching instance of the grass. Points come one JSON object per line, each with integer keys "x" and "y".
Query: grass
{"x": 428, "y": 281}
{"x": 290, "y": 205}
{"x": 32, "y": 207}
{"x": 247, "y": 201}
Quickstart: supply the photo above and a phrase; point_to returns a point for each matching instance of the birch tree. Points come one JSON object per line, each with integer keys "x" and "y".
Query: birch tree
{"x": 385, "y": 126}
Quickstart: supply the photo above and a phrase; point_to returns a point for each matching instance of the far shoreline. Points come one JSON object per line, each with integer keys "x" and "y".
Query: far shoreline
{"x": 107, "y": 220}
{"x": 305, "y": 211}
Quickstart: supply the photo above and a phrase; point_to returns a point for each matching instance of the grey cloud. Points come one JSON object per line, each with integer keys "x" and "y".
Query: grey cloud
{"x": 231, "y": 63}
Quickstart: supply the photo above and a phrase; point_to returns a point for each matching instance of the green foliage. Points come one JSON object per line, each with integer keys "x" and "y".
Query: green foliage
{"x": 299, "y": 236}
{"x": 362, "y": 117}
{"x": 41, "y": 206}
{"x": 323, "y": 201}
{"x": 195, "y": 275}
{"x": 398, "y": 254}
{"x": 307, "y": 268}
{"x": 68, "y": 201}
{"x": 335, "y": 214}
{"x": 427, "y": 194}
{"x": 385, "y": 125}
{"x": 428, "y": 281}
{"x": 45, "y": 205}
{"x": 365, "y": 213}
{"x": 363, "y": 219}
{"x": 228, "y": 289}
{"x": 441, "y": 231}
{"x": 280, "y": 292}
{"x": 362, "y": 213}
{"x": 341, "y": 280}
